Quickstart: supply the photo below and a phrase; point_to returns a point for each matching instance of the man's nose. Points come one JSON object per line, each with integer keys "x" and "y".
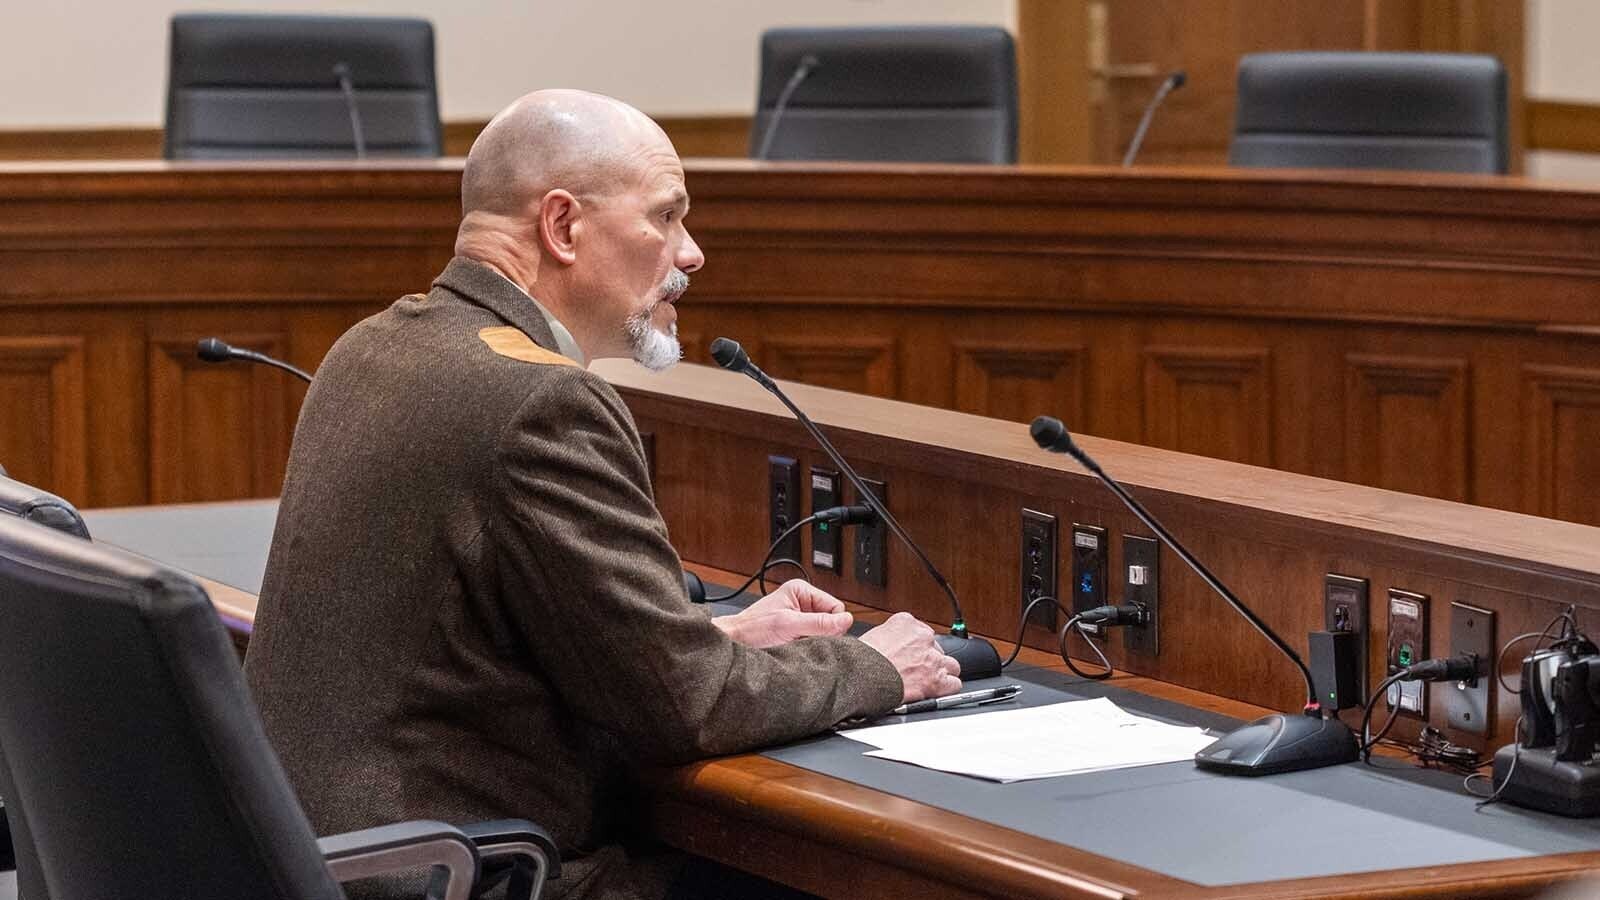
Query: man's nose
{"x": 690, "y": 258}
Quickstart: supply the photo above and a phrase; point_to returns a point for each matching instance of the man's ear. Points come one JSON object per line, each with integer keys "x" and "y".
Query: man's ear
{"x": 559, "y": 214}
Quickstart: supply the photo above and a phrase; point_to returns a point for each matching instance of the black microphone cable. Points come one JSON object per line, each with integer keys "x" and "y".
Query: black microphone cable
{"x": 1108, "y": 616}
{"x": 840, "y": 515}
{"x": 1452, "y": 668}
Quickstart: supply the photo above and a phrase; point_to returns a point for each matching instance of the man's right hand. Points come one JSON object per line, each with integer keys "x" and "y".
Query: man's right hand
{"x": 910, "y": 646}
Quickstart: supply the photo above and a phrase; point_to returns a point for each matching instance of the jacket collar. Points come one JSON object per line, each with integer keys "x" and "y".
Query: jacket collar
{"x": 480, "y": 285}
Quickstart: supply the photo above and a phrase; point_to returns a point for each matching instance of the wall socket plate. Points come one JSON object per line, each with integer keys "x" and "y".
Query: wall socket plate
{"x": 871, "y": 548}
{"x": 1089, "y": 563}
{"x": 1466, "y": 703}
{"x": 826, "y": 546}
{"x": 1408, "y": 643}
{"x": 1344, "y": 608}
{"x": 1141, "y": 584}
{"x": 1039, "y": 553}
{"x": 783, "y": 504}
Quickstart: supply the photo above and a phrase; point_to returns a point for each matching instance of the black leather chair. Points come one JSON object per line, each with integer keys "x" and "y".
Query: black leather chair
{"x": 1443, "y": 112}
{"x": 269, "y": 87}
{"x": 28, "y": 502}
{"x": 923, "y": 94}
{"x": 135, "y": 765}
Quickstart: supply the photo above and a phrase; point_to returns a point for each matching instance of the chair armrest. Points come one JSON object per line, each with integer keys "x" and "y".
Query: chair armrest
{"x": 528, "y": 850}
{"x": 405, "y": 845}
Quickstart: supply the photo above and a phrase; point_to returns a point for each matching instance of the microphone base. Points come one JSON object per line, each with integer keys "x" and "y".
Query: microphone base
{"x": 1280, "y": 743}
{"x": 977, "y": 657}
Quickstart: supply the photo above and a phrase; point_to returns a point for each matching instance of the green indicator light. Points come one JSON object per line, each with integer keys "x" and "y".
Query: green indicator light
{"x": 822, "y": 526}
{"x": 1405, "y": 654}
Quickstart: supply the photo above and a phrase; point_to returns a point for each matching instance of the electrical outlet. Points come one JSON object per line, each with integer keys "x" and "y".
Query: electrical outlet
{"x": 1089, "y": 553}
{"x": 1466, "y": 704}
{"x": 1141, "y": 563}
{"x": 871, "y": 545}
{"x": 825, "y": 543}
{"x": 1039, "y": 549}
{"x": 783, "y": 505}
{"x": 1344, "y": 608}
{"x": 1408, "y": 643}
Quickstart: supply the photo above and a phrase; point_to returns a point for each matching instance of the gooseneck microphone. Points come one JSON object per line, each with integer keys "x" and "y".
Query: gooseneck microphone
{"x": 217, "y": 350}
{"x": 347, "y": 87}
{"x": 808, "y": 64}
{"x": 1274, "y": 743}
{"x": 1169, "y": 84}
{"x": 977, "y": 656}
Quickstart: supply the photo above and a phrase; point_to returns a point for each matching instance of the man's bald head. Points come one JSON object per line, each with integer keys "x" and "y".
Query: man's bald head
{"x": 571, "y": 140}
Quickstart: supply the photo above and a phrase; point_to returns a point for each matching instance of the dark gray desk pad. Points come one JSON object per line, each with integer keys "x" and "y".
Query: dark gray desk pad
{"x": 1217, "y": 830}
{"x": 226, "y": 542}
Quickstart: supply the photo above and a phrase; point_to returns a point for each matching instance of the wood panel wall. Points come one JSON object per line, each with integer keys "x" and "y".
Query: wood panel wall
{"x": 958, "y": 483}
{"x": 1429, "y": 334}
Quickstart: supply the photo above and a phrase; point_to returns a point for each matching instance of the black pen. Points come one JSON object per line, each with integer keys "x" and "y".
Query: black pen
{"x": 970, "y": 698}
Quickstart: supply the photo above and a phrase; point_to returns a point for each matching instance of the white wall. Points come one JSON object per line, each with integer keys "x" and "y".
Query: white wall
{"x": 1563, "y": 64}
{"x": 102, "y": 63}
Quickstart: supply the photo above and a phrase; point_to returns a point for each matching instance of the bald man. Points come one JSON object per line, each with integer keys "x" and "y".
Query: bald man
{"x": 471, "y": 610}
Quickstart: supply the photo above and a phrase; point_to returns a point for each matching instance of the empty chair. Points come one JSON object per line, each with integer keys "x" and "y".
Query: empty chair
{"x": 135, "y": 764}
{"x": 35, "y": 505}
{"x": 282, "y": 87}
{"x": 923, "y": 94}
{"x": 1442, "y": 112}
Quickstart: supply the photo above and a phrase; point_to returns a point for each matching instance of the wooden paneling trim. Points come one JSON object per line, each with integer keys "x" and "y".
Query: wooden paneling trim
{"x": 217, "y": 431}
{"x": 1407, "y": 424}
{"x": 62, "y": 438}
{"x": 693, "y": 136}
{"x": 1215, "y": 401}
{"x": 863, "y": 365}
{"x": 1562, "y": 407}
{"x": 1558, "y": 125}
{"x": 1016, "y": 379}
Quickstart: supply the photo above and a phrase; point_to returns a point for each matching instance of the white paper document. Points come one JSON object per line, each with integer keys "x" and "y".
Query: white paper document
{"x": 1036, "y": 742}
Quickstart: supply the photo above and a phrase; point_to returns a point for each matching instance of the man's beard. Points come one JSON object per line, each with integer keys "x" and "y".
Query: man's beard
{"x": 653, "y": 349}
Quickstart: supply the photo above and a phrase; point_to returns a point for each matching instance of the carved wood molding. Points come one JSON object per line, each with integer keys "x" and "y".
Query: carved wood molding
{"x": 217, "y": 430}
{"x": 1018, "y": 380}
{"x": 1407, "y": 424}
{"x": 862, "y": 365}
{"x": 63, "y": 441}
{"x": 1561, "y": 405}
{"x": 1215, "y": 401}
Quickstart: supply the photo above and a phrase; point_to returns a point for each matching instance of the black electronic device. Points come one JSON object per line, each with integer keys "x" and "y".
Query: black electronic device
{"x": 1552, "y": 767}
{"x": 1270, "y": 744}
{"x": 1538, "y": 704}
{"x": 217, "y": 350}
{"x": 1333, "y": 669}
{"x": 977, "y": 656}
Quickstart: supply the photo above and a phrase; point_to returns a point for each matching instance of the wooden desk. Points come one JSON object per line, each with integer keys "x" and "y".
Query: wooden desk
{"x": 1432, "y": 334}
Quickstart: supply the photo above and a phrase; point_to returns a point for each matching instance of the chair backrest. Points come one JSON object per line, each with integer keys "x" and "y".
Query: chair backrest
{"x": 914, "y": 94}
{"x": 133, "y": 754}
{"x": 265, "y": 87}
{"x": 1443, "y": 112}
{"x": 30, "y": 503}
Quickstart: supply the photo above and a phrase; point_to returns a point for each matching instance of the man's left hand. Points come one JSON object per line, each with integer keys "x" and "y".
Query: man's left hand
{"x": 796, "y": 610}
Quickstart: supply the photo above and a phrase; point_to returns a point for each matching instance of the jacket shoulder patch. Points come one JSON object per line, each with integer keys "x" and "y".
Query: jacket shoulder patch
{"x": 513, "y": 344}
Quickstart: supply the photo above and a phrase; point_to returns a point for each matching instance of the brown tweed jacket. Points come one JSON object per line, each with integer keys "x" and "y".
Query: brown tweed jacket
{"x": 472, "y": 611}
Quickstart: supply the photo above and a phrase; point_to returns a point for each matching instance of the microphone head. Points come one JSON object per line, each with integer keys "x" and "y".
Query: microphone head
{"x": 214, "y": 350}
{"x": 1179, "y": 78}
{"x": 341, "y": 71}
{"x": 1050, "y": 434}
{"x": 809, "y": 61}
{"x": 729, "y": 354}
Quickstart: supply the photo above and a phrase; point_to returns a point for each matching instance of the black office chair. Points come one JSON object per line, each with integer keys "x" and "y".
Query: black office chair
{"x": 285, "y": 87}
{"x": 923, "y": 94}
{"x": 135, "y": 764}
{"x": 1443, "y": 112}
{"x": 35, "y": 505}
